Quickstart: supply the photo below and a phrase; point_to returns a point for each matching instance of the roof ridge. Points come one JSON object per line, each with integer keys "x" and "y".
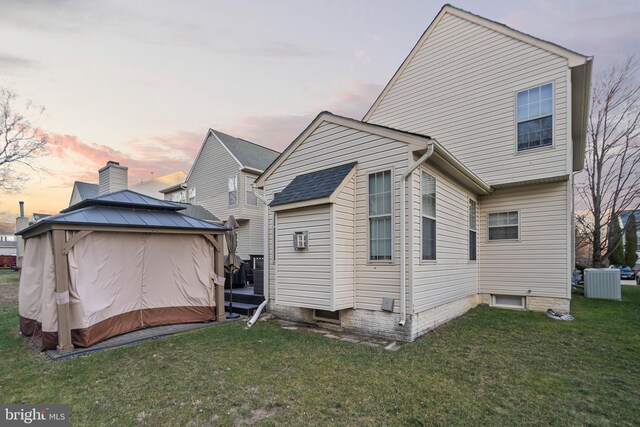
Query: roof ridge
{"x": 244, "y": 140}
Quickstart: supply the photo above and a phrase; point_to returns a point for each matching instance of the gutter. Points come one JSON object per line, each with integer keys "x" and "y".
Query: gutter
{"x": 403, "y": 231}
{"x": 265, "y": 250}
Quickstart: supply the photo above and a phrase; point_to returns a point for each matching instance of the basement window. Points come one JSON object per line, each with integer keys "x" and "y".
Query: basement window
{"x": 326, "y": 316}
{"x": 508, "y": 301}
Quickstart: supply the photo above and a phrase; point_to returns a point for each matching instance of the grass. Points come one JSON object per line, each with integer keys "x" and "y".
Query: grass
{"x": 489, "y": 367}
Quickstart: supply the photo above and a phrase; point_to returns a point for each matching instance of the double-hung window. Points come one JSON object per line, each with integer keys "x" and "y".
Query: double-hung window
{"x": 428, "y": 217}
{"x": 473, "y": 247}
{"x": 380, "y": 218}
{"x": 504, "y": 225}
{"x": 192, "y": 195}
{"x": 252, "y": 200}
{"x": 535, "y": 117}
{"x": 233, "y": 190}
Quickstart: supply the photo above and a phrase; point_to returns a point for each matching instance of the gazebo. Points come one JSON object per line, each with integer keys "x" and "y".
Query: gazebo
{"x": 117, "y": 263}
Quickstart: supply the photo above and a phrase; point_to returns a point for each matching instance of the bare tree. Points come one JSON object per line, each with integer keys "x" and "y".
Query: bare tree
{"x": 20, "y": 140}
{"x": 610, "y": 182}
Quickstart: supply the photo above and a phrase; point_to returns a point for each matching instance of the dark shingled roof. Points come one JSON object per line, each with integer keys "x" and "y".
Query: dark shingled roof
{"x": 126, "y": 199}
{"x": 250, "y": 155}
{"x": 314, "y": 185}
{"x": 86, "y": 190}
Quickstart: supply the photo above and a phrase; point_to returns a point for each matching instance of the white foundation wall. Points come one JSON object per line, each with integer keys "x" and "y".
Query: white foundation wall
{"x": 539, "y": 263}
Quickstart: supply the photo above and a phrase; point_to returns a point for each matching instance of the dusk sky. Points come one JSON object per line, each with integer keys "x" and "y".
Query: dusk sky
{"x": 140, "y": 82}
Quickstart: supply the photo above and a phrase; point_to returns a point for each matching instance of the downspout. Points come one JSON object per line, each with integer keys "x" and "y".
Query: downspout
{"x": 265, "y": 262}
{"x": 403, "y": 231}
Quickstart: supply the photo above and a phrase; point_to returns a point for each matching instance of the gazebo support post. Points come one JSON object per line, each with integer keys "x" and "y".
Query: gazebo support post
{"x": 219, "y": 270}
{"x": 61, "y": 263}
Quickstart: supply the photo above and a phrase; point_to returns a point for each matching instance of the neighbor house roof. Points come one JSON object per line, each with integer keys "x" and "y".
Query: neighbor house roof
{"x": 125, "y": 208}
{"x": 248, "y": 155}
{"x": 625, "y": 215}
{"x": 313, "y": 185}
{"x": 127, "y": 199}
{"x": 579, "y": 64}
{"x": 86, "y": 190}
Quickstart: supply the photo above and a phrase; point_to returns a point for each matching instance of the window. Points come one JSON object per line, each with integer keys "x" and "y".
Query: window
{"x": 179, "y": 196}
{"x": 509, "y": 301}
{"x": 473, "y": 248}
{"x": 233, "y": 191}
{"x": 535, "y": 117}
{"x": 192, "y": 196}
{"x": 503, "y": 226}
{"x": 380, "y": 206}
{"x": 251, "y": 200}
{"x": 428, "y": 217}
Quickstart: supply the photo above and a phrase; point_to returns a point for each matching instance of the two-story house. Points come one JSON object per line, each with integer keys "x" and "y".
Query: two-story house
{"x": 455, "y": 189}
{"x": 221, "y": 180}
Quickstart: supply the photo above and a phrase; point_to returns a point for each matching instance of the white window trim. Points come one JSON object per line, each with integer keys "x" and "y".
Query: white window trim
{"x": 474, "y": 261}
{"x": 553, "y": 119}
{"x": 237, "y": 191}
{"x": 505, "y": 240}
{"x": 511, "y": 307}
{"x": 435, "y": 218}
{"x": 393, "y": 217}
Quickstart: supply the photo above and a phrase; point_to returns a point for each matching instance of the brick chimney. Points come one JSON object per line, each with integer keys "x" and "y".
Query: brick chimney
{"x": 112, "y": 177}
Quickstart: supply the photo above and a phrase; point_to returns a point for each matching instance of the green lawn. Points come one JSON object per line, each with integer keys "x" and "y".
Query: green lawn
{"x": 489, "y": 367}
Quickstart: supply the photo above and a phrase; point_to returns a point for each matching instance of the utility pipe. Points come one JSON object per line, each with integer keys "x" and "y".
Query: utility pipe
{"x": 403, "y": 231}
{"x": 265, "y": 250}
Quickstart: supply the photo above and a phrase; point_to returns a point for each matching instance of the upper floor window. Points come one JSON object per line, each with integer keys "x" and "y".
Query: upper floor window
{"x": 192, "y": 195}
{"x": 380, "y": 205}
{"x": 428, "y": 217}
{"x": 504, "y": 225}
{"x": 233, "y": 191}
{"x": 473, "y": 247}
{"x": 252, "y": 200}
{"x": 535, "y": 117}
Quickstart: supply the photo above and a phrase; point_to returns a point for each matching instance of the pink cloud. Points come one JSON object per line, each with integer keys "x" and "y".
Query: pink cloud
{"x": 156, "y": 155}
{"x": 277, "y": 132}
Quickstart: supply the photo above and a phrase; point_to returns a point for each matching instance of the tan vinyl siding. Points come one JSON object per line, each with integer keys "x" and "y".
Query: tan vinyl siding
{"x": 343, "y": 244}
{"x": 538, "y": 261}
{"x": 332, "y": 145}
{"x": 304, "y": 276}
{"x": 451, "y": 276}
{"x": 209, "y": 175}
{"x": 461, "y": 87}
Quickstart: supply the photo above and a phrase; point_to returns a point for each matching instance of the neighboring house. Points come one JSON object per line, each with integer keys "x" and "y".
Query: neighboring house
{"x": 8, "y": 247}
{"x": 624, "y": 217}
{"x": 114, "y": 177}
{"x": 220, "y": 181}
{"x": 384, "y": 230}
{"x": 153, "y": 187}
{"x": 82, "y": 191}
{"x": 175, "y": 193}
